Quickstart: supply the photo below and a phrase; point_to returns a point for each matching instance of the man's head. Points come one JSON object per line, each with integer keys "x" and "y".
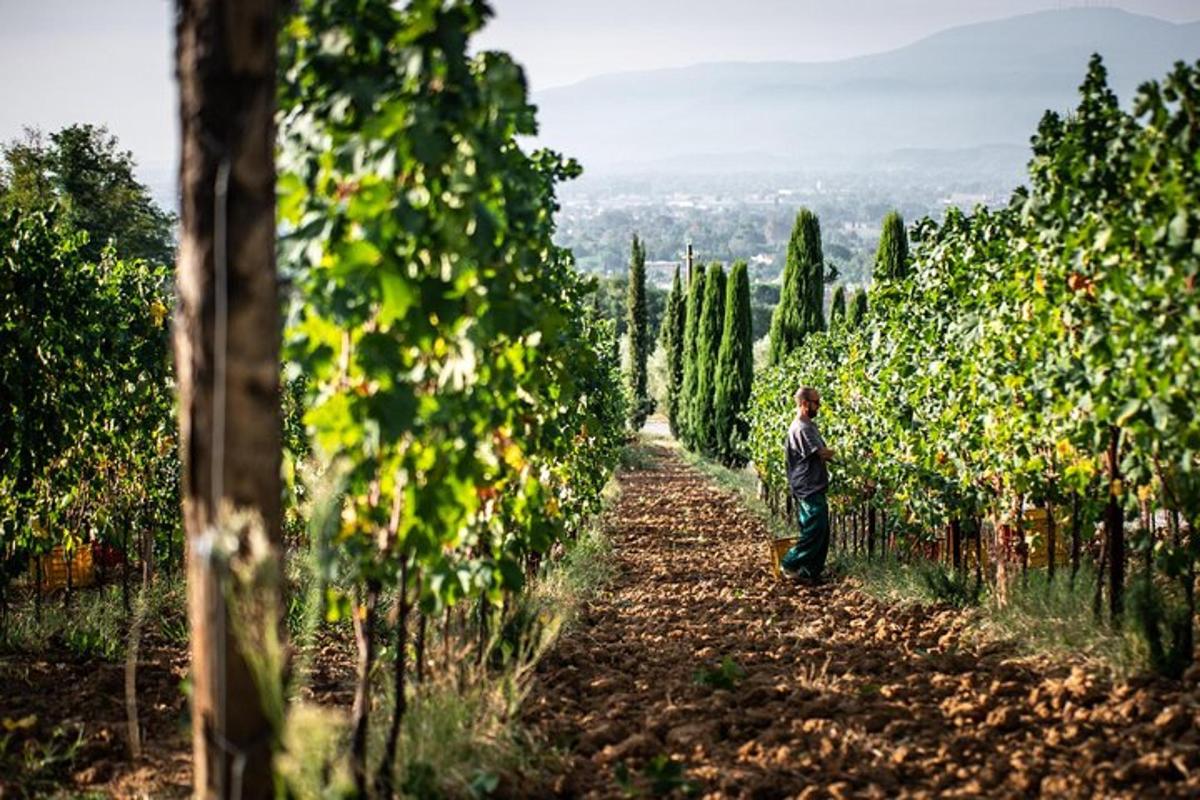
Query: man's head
{"x": 808, "y": 401}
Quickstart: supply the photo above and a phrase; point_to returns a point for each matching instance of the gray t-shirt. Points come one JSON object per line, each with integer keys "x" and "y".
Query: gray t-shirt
{"x": 806, "y": 471}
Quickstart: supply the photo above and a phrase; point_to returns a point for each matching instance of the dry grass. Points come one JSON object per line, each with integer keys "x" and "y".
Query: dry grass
{"x": 461, "y": 736}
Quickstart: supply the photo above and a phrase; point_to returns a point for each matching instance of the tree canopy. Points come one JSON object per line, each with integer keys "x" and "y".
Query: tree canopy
{"x": 802, "y": 298}
{"x": 83, "y": 170}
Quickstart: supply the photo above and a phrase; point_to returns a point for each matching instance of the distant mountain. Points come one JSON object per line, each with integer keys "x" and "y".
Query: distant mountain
{"x": 942, "y": 98}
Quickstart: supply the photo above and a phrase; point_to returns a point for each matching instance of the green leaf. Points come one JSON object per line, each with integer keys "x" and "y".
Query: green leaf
{"x": 399, "y": 295}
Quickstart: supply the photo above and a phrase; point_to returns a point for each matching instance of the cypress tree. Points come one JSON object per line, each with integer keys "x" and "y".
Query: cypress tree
{"x": 672, "y": 337}
{"x": 708, "y": 347}
{"x": 837, "y": 308}
{"x": 735, "y": 368}
{"x": 695, "y": 298}
{"x": 639, "y": 336}
{"x": 891, "y": 259}
{"x": 802, "y": 298}
{"x": 858, "y": 309}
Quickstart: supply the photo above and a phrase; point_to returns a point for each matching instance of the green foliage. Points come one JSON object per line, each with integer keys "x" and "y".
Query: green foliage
{"x": 661, "y": 776}
{"x": 26, "y": 174}
{"x": 802, "y": 299}
{"x": 95, "y": 625}
{"x": 609, "y": 301}
{"x": 1163, "y": 624}
{"x": 725, "y": 675}
{"x": 695, "y": 301}
{"x": 48, "y": 292}
{"x": 640, "y": 404}
{"x": 38, "y": 763}
{"x": 95, "y": 641}
{"x": 83, "y": 170}
{"x": 462, "y": 735}
{"x": 673, "y": 336}
{"x": 708, "y": 346}
{"x": 1022, "y": 341}
{"x": 1057, "y": 617}
{"x": 454, "y": 376}
{"x": 460, "y": 385}
{"x": 666, "y": 777}
{"x": 760, "y": 319}
{"x": 891, "y": 258}
{"x": 858, "y": 309}
{"x": 735, "y": 370}
{"x": 87, "y": 435}
{"x": 837, "y": 307}
{"x": 952, "y": 587}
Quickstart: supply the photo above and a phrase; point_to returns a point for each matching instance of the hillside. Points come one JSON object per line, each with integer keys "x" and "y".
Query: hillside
{"x": 973, "y": 86}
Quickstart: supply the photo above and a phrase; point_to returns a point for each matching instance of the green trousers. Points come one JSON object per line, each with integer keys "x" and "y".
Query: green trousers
{"x": 806, "y": 559}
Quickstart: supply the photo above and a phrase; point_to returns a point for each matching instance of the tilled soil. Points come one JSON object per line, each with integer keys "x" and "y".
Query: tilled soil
{"x": 69, "y": 730}
{"x": 829, "y": 692}
{"x": 77, "y": 735}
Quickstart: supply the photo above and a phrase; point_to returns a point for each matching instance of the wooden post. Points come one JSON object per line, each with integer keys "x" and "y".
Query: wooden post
{"x": 690, "y": 263}
{"x": 1051, "y": 537}
{"x": 1021, "y": 541}
{"x": 1076, "y": 534}
{"x": 870, "y": 532}
{"x": 1189, "y": 586}
{"x": 125, "y": 566}
{"x": 227, "y": 357}
{"x": 883, "y": 534}
{"x": 978, "y": 554}
{"x": 1114, "y": 530}
{"x": 147, "y": 541}
{"x": 385, "y": 780}
{"x": 956, "y": 544}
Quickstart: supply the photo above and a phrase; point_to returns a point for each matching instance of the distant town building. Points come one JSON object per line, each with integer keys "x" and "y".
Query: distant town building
{"x": 965, "y": 201}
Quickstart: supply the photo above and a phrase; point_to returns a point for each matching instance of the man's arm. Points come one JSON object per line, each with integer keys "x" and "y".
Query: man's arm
{"x": 815, "y": 445}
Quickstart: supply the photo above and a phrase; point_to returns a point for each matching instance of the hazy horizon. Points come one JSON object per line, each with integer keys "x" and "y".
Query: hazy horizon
{"x": 546, "y": 35}
{"x": 112, "y": 62}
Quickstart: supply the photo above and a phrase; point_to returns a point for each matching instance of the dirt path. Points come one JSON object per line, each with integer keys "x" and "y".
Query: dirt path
{"x": 839, "y": 695}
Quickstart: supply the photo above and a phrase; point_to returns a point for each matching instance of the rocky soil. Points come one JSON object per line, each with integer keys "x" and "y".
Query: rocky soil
{"x": 698, "y": 672}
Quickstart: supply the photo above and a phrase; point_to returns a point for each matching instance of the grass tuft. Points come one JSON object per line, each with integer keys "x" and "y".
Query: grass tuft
{"x": 1039, "y": 617}
{"x": 905, "y": 582}
{"x": 1057, "y": 618}
{"x": 101, "y": 631}
{"x": 461, "y": 735}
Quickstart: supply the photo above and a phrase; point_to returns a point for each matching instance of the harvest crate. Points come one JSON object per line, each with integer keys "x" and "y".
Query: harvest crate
{"x": 1036, "y": 528}
{"x": 1036, "y": 523}
{"x": 779, "y": 548}
{"x": 55, "y": 566}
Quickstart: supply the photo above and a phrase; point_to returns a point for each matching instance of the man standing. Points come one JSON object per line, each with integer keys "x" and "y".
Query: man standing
{"x": 808, "y": 478}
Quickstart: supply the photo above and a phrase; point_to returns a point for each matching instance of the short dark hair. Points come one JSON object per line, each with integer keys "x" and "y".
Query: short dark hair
{"x": 806, "y": 393}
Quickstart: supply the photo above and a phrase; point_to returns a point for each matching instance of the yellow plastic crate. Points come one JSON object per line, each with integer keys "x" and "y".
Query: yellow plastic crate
{"x": 55, "y": 566}
{"x": 1036, "y": 528}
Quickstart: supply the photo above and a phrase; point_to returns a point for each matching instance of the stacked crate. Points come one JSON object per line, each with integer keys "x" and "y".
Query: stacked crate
{"x": 56, "y": 567}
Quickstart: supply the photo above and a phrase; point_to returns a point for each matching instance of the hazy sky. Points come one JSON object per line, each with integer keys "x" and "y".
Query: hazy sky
{"x": 109, "y": 61}
{"x": 563, "y": 41}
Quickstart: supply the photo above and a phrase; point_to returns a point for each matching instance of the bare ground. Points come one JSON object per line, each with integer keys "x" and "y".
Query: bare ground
{"x": 69, "y": 730}
{"x": 829, "y": 693}
{"x": 64, "y": 730}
